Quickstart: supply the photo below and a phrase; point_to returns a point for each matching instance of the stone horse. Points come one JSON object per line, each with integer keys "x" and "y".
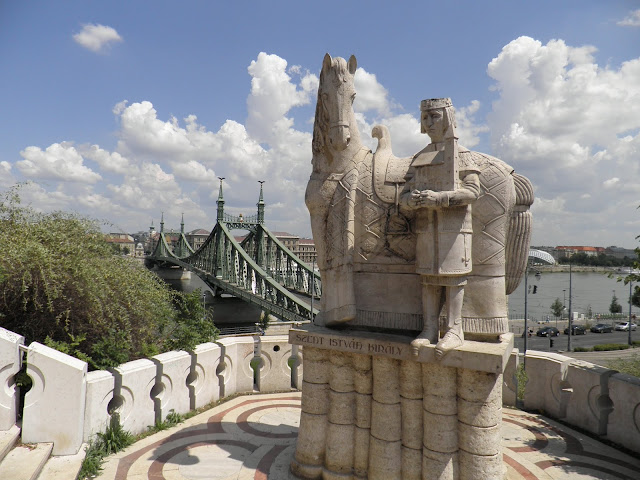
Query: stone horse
{"x": 366, "y": 242}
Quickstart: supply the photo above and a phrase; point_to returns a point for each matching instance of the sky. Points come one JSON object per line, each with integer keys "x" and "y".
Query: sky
{"x": 122, "y": 111}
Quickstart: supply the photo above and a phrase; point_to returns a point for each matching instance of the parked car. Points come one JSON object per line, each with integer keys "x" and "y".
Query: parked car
{"x": 624, "y": 326}
{"x": 548, "y": 332}
{"x": 575, "y": 330}
{"x": 602, "y": 328}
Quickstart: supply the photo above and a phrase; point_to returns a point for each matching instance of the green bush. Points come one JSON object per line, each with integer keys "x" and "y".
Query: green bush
{"x": 192, "y": 324}
{"x": 582, "y": 349}
{"x": 62, "y": 285}
{"x": 610, "y": 346}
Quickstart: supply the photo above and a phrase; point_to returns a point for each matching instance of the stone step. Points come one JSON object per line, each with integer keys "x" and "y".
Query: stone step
{"x": 25, "y": 462}
{"x": 65, "y": 467}
{"x": 8, "y": 439}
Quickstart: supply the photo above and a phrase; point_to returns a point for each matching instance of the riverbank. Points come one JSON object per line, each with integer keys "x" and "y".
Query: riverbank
{"x": 579, "y": 268}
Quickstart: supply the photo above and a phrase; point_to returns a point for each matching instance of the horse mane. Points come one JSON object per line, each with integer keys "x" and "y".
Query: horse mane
{"x": 320, "y": 125}
{"x": 334, "y": 74}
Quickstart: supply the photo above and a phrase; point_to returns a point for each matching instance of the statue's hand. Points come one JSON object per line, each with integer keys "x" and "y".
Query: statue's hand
{"x": 425, "y": 198}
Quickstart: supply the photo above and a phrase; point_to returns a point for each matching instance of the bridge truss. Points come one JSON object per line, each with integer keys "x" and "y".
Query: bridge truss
{"x": 260, "y": 270}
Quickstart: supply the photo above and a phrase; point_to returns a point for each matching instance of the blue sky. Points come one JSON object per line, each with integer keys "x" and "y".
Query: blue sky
{"x": 121, "y": 110}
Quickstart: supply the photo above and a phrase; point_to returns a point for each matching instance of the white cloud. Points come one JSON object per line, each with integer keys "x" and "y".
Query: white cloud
{"x": 370, "y": 94}
{"x": 141, "y": 131}
{"x": 6, "y": 178}
{"x": 611, "y": 182}
{"x": 567, "y": 123}
{"x": 559, "y": 118}
{"x": 42, "y": 199}
{"x": 272, "y": 96}
{"x": 108, "y": 161}
{"x": 468, "y": 130}
{"x": 194, "y": 171}
{"x": 119, "y": 107}
{"x": 631, "y": 20}
{"x": 147, "y": 187}
{"x": 59, "y": 161}
{"x": 97, "y": 38}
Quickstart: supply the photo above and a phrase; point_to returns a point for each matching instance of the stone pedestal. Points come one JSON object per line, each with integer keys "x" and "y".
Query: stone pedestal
{"x": 370, "y": 409}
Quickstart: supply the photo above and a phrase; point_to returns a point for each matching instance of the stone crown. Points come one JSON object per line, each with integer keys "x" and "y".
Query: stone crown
{"x": 434, "y": 103}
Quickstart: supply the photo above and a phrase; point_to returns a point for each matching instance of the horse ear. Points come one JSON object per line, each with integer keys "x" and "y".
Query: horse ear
{"x": 326, "y": 62}
{"x": 352, "y": 64}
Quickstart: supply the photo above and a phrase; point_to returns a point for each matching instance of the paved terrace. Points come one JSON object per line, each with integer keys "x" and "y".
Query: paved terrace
{"x": 253, "y": 437}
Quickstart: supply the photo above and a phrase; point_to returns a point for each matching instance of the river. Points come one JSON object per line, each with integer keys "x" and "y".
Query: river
{"x": 588, "y": 289}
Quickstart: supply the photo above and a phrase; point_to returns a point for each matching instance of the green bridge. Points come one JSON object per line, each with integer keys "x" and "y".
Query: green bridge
{"x": 259, "y": 270}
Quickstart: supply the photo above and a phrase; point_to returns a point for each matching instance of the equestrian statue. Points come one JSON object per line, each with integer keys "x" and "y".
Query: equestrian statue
{"x": 430, "y": 244}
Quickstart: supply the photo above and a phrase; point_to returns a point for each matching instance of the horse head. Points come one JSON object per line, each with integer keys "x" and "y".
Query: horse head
{"x": 332, "y": 131}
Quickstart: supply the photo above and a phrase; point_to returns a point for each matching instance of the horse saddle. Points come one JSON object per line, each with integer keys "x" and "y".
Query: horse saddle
{"x": 389, "y": 174}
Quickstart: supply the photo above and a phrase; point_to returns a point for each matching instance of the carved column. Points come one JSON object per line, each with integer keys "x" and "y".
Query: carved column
{"x": 342, "y": 418}
{"x": 479, "y": 415}
{"x": 311, "y": 446}
{"x": 385, "y": 454}
{"x": 412, "y": 429}
{"x": 363, "y": 383}
{"x": 440, "y": 423}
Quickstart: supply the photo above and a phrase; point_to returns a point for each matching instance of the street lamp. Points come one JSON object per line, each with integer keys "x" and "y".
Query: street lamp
{"x": 570, "y": 314}
{"x": 526, "y": 300}
{"x": 313, "y": 285}
{"x": 630, "y": 304}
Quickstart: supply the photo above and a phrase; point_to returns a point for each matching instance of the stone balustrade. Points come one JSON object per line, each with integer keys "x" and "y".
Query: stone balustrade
{"x": 590, "y": 397}
{"x": 67, "y": 405}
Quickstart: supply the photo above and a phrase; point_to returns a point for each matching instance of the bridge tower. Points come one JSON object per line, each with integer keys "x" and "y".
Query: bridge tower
{"x": 219, "y": 238}
{"x": 259, "y": 270}
{"x": 220, "y": 202}
{"x": 152, "y": 230}
{"x": 259, "y": 233}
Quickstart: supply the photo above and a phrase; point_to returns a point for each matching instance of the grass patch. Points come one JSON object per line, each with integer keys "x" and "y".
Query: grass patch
{"x": 630, "y": 366}
{"x": 521, "y": 378}
{"x": 171, "y": 420}
{"x": 114, "y": 439}
{"x": 610, "y": 346}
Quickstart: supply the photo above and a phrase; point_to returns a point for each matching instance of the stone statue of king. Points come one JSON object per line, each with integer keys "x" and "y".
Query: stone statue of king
{"x": 441, "y": 185}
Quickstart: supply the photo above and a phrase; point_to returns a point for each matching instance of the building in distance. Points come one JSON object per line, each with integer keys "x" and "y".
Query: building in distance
{"x": 197, "y": 237}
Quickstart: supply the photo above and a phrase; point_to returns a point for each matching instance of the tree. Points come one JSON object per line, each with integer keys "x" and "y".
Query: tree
{"x": 192, "y": 325}
{"x": 62, "y": 284}
{"x": 615, "y": 307}
{"x": 635, "y": 298}
{"x": 589, "y": 311}
{"x": 557, "y": 307}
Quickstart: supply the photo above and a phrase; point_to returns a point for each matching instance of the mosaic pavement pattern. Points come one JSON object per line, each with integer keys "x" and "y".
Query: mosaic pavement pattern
{"x": 253, "y": 438}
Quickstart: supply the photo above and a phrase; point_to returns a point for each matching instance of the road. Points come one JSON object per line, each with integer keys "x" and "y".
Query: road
{"x": 588, "y": 340}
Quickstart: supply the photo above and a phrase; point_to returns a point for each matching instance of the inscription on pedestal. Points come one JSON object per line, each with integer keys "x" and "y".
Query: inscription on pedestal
{"x": 346, "y": 344}
{"x": 480, "y": 356}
